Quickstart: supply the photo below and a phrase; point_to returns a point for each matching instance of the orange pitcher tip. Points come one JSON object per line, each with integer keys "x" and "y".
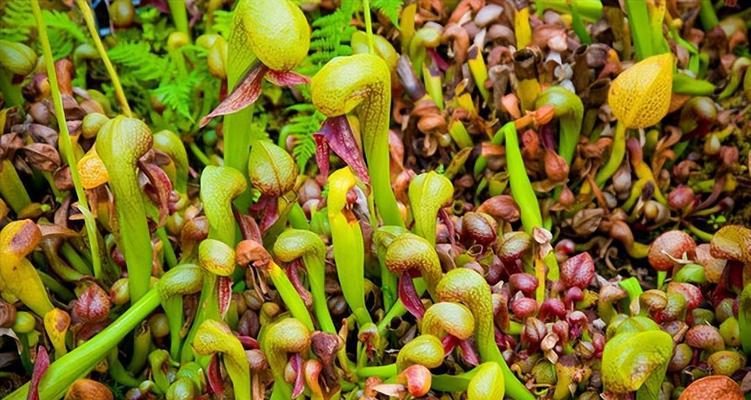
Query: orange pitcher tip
{"x": 92, "y": 171}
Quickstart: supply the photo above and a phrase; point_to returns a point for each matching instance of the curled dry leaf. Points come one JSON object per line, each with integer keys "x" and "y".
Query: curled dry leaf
{"x": 56, "y": 231}
{"x": 42, "y": 156}
{"x": 252, "y": 252}
{"x": 586, "y": 222}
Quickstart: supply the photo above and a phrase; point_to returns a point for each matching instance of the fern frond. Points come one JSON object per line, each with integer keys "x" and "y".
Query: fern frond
{"x": 259, "y": 127}
{"x": 301, "y": 128}
{"x": 330, "y": 37}
{"x": 222, "y": 22}
{"x": 177, "y": 94}
{"x": 17, "y": 20}
{"x": 61, "y": 22}
{"x": 62, "y": 46}
{"x": 65, "y": 34}
{"x": 139, "y": 60}
{"x": 389, "y": 8}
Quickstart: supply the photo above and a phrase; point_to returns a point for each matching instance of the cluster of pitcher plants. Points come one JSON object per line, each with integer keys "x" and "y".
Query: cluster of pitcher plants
{"x": 499, "y": 199}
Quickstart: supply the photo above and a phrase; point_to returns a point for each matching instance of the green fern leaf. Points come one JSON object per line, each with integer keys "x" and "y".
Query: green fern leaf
{"x": 177, "y": 94}
{"x": 139, "y": 60}
{"x": 61, "y": 21}
{"x": 17, "y": 20}
{"x": 222, "y": 22}
{"x": 65, "y": 34}
{"x": 61, "y": 45}
{"x": 301, "y": 128}
{"x": 389, "y": 8}
{"x": 330, "y": 37}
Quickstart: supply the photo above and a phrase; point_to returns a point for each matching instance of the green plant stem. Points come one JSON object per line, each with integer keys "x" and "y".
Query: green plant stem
{"x": 349, "y": 252}
{"x": 389, "y": 283}
{"x": 169, "y": 252}
{"x": 75, "y": 259}
{"x": 200, "y": 155}
{"x": 639, "y": 24}
{"x": 11, "y": 92}
{"x": 56, "y": 287}
{"x": 521, "y": 188}
{"x": 459, "y": 133}
{"x": 382, "y": 192}
{"x": 382, "y": 371}
{"x": 578, "y": 24}
{"x": 635, "y": 193}
{"x": 11, "y": 188}
{"x": 590, "y": 10}
{"x": 120, "y": 143}
{"x": 744, "y": 318}
{"x": 707, "y": 15}
{"x": 569, "y": 110}
{"x": 141, "y": 348}
{"x": 368, "y": 25}
{"x": 179, "y": 15}
{"x": 88, "y": 17}
{"x": 25, "y": 354}
{"x": 297, "y": 218}
{"x": 83, "y": 358}
{"x": 208, "y": 310}
{"x": 173, "y": 309}
{"x": 181, "y": 280}
{"x": 661, "y": 276}
{"x": 740, "y": 66}
{"x": 289, "y": 295}
{"x": 525, "y": 197}
{"x": 705, "y": 236}
{"x": 317, "y": 278}
{"x": 479, "y": 71}
{"x": 59, "y": 266}
{"x": 433, "y": 85}
{"x": 117, "y": 371}
{"x": 684, "y": 84}
{"x": 157, "y": 360}
{"x": 177, "y": 57}
{"x": 65, "y": 143}
{"x": 617, "y": 152}
{"x": 219, "y": 185}
{"x": 236, "y": 136}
